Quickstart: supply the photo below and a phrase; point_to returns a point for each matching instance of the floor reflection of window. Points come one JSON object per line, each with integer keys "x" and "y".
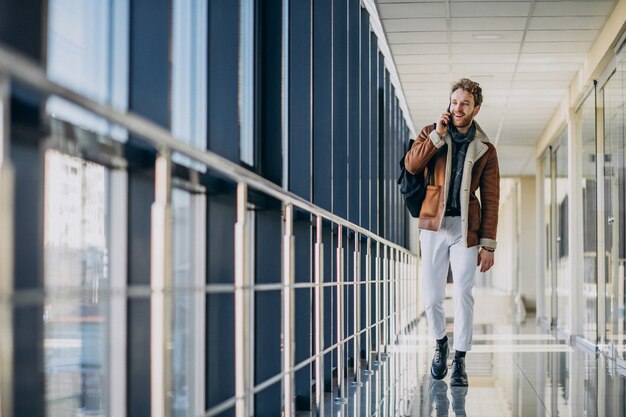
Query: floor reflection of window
{"x": 75, "y": 271}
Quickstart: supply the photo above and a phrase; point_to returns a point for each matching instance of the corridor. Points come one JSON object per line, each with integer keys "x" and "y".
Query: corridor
{"x": 200, "y": 212}
{"x": 515, "y": 370}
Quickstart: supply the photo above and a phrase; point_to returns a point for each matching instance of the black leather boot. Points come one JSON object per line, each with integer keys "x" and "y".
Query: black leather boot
{"x": 459, "y": 376}
{"x": 439, "y": 368}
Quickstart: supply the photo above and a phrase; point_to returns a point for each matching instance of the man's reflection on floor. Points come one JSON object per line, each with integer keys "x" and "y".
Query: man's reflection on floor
{"x": 439, "y": 398}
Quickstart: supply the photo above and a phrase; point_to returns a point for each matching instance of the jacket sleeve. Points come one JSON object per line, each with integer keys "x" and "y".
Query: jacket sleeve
{"x": 424, "y": 148}
{"x": 490, "y": 201}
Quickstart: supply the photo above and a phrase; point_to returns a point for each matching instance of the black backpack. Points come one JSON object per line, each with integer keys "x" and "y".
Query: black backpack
{"x": 413, "y": 187}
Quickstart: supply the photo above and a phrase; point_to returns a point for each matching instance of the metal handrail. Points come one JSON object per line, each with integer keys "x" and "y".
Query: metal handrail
{"x": 389, "y": 265}
{"x": 28, "y": 72}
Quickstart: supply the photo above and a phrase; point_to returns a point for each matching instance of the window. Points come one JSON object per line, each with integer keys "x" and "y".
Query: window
{"x": 76, "y": 272}
{"x": 88, "y": 53}
{"x": 189, "y": 75}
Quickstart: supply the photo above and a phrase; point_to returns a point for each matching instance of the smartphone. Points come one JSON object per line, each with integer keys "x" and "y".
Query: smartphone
{"x": 448, "y": 110}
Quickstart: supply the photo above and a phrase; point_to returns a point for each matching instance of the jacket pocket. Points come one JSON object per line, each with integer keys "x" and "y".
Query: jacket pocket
{"x": 431, "y": 201}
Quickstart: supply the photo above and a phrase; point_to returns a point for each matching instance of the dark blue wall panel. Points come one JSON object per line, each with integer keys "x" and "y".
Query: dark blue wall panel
{"x": 364, "y": 156}
{"x": 322, "y": 102}
{"x": 354, "y": 108}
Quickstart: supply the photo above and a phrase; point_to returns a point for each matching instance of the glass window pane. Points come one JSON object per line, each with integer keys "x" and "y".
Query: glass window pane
{"x": 547, "y": 227}
{"x": 613, "y": 215}
{"x": 185, "y": 304}
{"x": 587, "y": 133}
{"x": 88, "y": 52}
{"x": 189, "y": 69}
{"x": 561, "y": 205}
{"x": 76, "y": 271}
{"x": 247, "y": 67}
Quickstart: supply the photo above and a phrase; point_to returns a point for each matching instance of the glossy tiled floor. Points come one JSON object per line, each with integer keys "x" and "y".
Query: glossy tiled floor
{"x": 515, "y": 370}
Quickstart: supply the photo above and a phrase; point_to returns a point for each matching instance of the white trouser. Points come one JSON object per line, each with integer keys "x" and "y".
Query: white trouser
{"x": 438, "y": 250}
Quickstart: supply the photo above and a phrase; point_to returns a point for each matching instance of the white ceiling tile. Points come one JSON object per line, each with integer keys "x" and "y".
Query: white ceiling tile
{"x": 486, "y": 68}
{"x": 484, "y": 58}
{"x": 475, "y": 23}
{"x": 572, "y": 8}
{"x": 412, "y": 49}
{"x": 566, "y": 22}
{"x": 417, "y": 37}
{"x": 538, "y": 58}
{"x": 548, "y": 84}
{"x": 421, "y": 59}
{"x": 556, "y": 47}
{"x": 570, "y": 67}
{"x": 556, "y": 75}
{"x": 422, "y": 68}
{"x": 413, "y": 25}
{"x": 412, "y": 10}
{"x": 534, "y": 92}
{"x": 489, "y": 9}
{"x": 426, "y": 85}
{"x": 487, "y": 36}
{"x": 426, "y": 77}
{"x": 577, "y": 35}
{"x": 494, "y": 48}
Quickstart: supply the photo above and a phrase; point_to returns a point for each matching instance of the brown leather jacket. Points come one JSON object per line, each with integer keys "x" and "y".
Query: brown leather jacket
{"x": 480, "y": 224}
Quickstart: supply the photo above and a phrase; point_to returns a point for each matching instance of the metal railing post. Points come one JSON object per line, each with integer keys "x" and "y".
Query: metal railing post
{"x": 341, "y": 391}
{"x": 357, "y": 310}
{"x": 319, "y": 318}
{"x": 393, "y": 314}
{"x": 243, "y": 394}
{"x": 385, "y": 315}
{"x": 7, "y": 183}
{"x": 160, "y": 282}
{"x": 288, "y": 314}
{"x": 368, "y": 307}
{"x": 378, "y": 300}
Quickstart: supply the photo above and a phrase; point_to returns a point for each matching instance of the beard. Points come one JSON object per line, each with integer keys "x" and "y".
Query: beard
{"x": 463, "y": 121}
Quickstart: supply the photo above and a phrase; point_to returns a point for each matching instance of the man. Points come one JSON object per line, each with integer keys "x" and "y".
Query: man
{"x": 457, "y": 230}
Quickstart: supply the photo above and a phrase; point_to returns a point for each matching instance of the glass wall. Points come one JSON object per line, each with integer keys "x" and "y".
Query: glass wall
{"x": 94, "y": 270}
{"x": 561, "y": 207}
{"x": 87, "y": 51}
{"x": 587, "y": 137}
{"x": 613, "y": 213}
{"x": 547, "y": 231}
{"x": 189, "y": 67}
{"x": 76, "y": 272}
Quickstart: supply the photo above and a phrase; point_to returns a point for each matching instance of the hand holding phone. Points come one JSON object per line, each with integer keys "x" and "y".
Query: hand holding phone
{"x": 442, "y": 123}
{"x": 445, "y": 121}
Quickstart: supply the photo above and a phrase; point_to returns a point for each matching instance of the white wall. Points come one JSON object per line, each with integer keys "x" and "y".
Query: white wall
{"x": 504, "y": 272}
{"x": 515, "y": 259}
{"x": 527, "y": 242}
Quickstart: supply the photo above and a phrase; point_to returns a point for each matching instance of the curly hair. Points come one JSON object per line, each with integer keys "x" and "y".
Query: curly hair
{"x": 471, "y": 87}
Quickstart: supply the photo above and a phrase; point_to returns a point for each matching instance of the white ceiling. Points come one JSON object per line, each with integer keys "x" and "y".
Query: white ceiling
{"x": 523, "y": 53}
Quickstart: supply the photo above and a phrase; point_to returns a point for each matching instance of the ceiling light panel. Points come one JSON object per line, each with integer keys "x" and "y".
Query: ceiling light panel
{"x": 487, "y": 36}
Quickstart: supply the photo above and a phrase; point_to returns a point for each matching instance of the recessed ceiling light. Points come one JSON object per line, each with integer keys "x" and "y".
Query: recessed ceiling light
{"x": 487, "y": 36}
